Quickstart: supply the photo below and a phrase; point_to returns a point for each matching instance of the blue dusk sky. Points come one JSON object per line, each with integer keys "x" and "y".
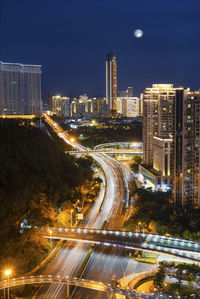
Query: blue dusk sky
{"x": 70, "y": 39}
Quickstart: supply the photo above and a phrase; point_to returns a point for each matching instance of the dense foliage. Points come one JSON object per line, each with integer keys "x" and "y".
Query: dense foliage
{"x": 36, "y": 179}
{"x": 137, "y": 160}
{"x": 104, "y": 132}
{"x": 114, "y": 133}
{"x": 156, "y": 210}
{"x": 185, "y": 275}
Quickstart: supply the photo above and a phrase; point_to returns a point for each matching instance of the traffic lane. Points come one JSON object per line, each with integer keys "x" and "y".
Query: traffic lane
{"x": 103, "y": 264}
{"x": 113, "y": 185}
{"x": 67, "y": 263}
{"x": 67, "y": 254}
{"x": 59, "y": 291}
{"x": 104, "y": 268}
{"x": 107, "y": 265}
{"x": 90, "y": 294}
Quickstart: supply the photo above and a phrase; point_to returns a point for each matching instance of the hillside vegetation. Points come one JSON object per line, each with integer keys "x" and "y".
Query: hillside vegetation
{"x": 36, "y": 180}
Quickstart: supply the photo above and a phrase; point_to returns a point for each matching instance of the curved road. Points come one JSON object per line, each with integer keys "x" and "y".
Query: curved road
{"x": 69, "y": 259}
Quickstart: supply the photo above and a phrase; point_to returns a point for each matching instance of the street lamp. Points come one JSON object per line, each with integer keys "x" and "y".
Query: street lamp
{"x": 139, "y": 223}
{"x": 71, "y": 216}
{"x": 7, "y": 273}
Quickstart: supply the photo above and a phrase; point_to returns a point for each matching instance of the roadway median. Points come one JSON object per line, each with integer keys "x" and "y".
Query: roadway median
{"x": 105, "y": 179}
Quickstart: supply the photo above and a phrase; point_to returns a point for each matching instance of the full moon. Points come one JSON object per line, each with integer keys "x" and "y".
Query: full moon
{"x": 138, "y": 33}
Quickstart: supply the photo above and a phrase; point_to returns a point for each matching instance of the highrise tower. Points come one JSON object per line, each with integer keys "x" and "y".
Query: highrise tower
{"x": 20, "y": 89}
{"x": 157, "y": 116}
{"x": 111, "y": 83}
{"x": 186, "y": 148}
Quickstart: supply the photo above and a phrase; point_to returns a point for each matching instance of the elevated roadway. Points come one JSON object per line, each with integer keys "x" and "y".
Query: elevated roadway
{"x": 83, "y": 283}
{"x": 108, "y": 151}
{"x": 119, "y": 145}
{"x": 183, "y": 249}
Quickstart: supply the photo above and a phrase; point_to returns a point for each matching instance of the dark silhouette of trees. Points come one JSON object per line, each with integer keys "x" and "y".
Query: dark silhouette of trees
{"x": 157, "y": 209}
{"x": 36, "y": 178}
{"x": 183, "y": 273}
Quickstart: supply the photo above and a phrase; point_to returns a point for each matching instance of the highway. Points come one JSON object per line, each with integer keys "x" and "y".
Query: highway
{"x": 70, "y": 258}
{"x": 107, "y": 264}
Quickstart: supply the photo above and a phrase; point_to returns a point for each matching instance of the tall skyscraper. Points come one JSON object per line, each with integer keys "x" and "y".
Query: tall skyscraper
{"x": 171, "y": 140}
{"x": 20, "y": 89}
{"x": 111, "y": 83}
{"x": 157, "y": 117}
{"x": 186, "y": 148}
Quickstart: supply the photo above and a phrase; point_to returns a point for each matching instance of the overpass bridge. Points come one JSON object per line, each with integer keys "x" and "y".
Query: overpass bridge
{"x": 78, "y": 282}
{"x": 108, "y": 151}
{"x": 134, "y": 148}
{"x": 183, "y": 249}
{"x": 119, "y": 145}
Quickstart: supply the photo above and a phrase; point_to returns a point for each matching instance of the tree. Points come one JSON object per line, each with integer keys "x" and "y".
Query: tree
{"x": 134, "y": 167}
{"x": 160, "y": 276}
{"x": 137, "y": 159}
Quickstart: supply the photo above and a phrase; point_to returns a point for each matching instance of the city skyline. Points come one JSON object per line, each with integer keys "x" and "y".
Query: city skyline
{"x": 99, "y": 149}
{"x": 166, "y": 53}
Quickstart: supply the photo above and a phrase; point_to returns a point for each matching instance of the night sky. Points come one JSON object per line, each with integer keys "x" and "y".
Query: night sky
{"x": 70, "y": 39}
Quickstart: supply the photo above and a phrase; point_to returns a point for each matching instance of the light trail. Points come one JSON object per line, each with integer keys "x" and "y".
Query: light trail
{"x": 69, "y": 259}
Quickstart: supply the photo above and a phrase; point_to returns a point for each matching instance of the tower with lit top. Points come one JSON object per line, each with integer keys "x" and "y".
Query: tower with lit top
{"x": 111, "y": 83}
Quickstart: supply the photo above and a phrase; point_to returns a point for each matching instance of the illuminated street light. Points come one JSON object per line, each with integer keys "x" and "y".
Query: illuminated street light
{"x": 72, "y": 139}
{"x": 7, "y": 273}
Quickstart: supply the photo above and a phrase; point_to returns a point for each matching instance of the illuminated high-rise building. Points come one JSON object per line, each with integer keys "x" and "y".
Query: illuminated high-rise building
{"x": 60, "y": 106}
{"x": 111, "y": 83}
{"x": 171, "y": 140}
{"x": 186, "y": 148}
{"x": 20, "y": 89}
{"x": 128, "y": 106}
{"x": 157, "y": 117}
